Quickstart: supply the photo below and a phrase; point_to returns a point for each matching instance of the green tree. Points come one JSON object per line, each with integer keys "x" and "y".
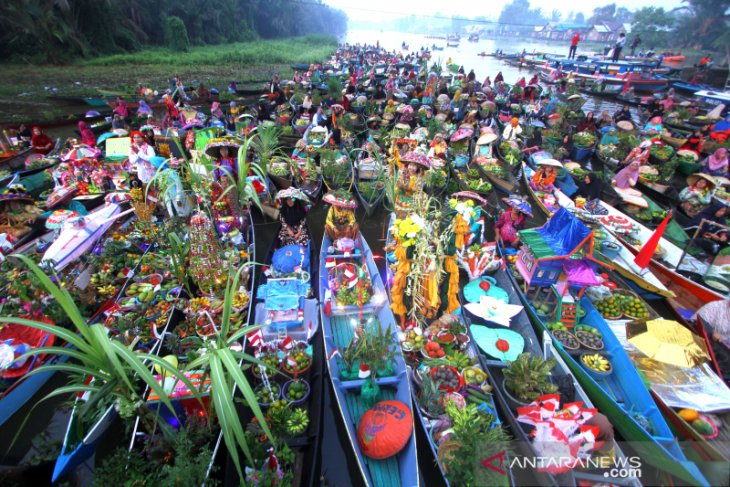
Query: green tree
{"x": 704, "y": 24}
{"x": 603, "y": 14}
{"x": 654, "y": 25}
{"x": 176, "y": 34}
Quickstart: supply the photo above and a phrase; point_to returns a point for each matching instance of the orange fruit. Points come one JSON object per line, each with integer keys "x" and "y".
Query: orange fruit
{"x": 689, "y": 415}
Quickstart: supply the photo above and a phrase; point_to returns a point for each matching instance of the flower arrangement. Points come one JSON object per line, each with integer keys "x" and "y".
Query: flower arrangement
{"x": 409, "y": 229}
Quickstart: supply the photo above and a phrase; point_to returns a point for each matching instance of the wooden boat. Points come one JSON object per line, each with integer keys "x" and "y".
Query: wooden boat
{"x": 548, "y": 203}
{"x": 402, "y": 468}
{"x": 622, "y": 397}
{"x": 76, "y": 240}
{"x": 615, "y": 253}
{"x": 462, "y": 175}
{"x": 217, "y": 442}
{"x": 426, "y": 423}
{"x": 495, "y": 168}
{"x": 601, "y": 90}
{"x": 79, "y": 100}
{"x": 569, "y": 389}
{"x": 15, "y": 159}
{"x": 363, "y": 186}
{"x": 683, "y": 282}
{"x": 308, "y": 181}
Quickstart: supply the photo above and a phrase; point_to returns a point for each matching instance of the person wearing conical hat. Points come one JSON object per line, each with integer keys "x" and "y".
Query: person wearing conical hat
{"x": 340, "y": 222}
{"x": 697, "y": 195}
{"x": 293, "y": 217}
{"x": 512, "y": 221}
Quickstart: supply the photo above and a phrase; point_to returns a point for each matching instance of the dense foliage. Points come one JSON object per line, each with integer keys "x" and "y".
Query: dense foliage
{"x": 57, "y": 30}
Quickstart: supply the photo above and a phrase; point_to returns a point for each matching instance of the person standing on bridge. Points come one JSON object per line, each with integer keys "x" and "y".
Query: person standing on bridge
{"x": 574, "y": 45}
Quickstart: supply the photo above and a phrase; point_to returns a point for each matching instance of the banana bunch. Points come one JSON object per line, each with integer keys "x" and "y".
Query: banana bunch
{"x": 240, "y": 300}
{"x": 597, "y": 362}
{"x": 106, "y": 290}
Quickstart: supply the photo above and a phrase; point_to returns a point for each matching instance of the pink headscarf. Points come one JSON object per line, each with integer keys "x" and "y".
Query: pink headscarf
{"x": 630, "y": 172}
{"x": 87, "y": 136}
{"x": 122, "y": 109}
{"x": 717, "y": 160}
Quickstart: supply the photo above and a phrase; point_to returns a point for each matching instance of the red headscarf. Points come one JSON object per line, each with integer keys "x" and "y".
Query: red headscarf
{"x": 41, "y": 142}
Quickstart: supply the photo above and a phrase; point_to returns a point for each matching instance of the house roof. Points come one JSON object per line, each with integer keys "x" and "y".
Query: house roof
{"x": 602, "y": 29}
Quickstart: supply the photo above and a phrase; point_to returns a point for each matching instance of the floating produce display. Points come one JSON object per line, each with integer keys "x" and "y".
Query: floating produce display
{"x": 436, "y": 257}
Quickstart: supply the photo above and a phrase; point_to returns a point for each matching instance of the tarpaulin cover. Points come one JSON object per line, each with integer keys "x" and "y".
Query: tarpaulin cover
{"x": 565, "y": 182}
{"x": 563, "y": 232}
{"x": 536, "y": 243}
{"x": 281, "y": 294}
{"x": 580, "y": 272}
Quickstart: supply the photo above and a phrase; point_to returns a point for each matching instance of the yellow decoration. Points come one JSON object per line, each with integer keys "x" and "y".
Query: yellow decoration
{"x": 399, "y": 282}
{"x": 453, "y": 270}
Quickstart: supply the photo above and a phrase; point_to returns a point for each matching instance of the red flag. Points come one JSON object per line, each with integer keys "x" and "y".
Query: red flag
{"x": 256, "y": 338}
{"x": 644, "y": 256}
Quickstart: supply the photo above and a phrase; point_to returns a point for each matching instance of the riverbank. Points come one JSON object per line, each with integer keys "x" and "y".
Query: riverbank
{"x": 24, "y": 87}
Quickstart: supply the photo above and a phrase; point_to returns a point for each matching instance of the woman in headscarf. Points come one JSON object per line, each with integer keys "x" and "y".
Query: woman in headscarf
{"x": 121, "y": 109}
{"x": 604, "y": 120}
{"x": 697, "y": 195}
{"x": 639, "y": 154}
{"x": 140, "y": 154}
{"x": 87, "y": 136}
{"x": 521, "y": 82}
{"x": 512, "y": 221}
{"x": 654, "y": 126}
{"x": 144, "y": 109}
{"x": 293, "y": 217}
{"x": 544, "y": 178}
{"x": 609, "y": 137}
{"x": 627, "y": 177}
{"x": 216, "y": 113}
{"x": 712, "y": 236}
{"x": 623, "y": 115}
{"x": 717, "y": 163}
{"x": 591, "y": 187}
{"x": 694, "y": 142}
{"x": 587, "y": 124}
{"x": 499, "y": 78}
{"x": 40, "y": 142}
{"x": 512, "y": 130}
{"x": 487, "y": 82}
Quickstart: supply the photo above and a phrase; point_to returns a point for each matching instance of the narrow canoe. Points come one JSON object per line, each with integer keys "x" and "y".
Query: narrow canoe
{"x": 338, "y": 330}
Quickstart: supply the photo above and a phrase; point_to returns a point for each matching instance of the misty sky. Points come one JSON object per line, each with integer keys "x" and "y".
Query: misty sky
{"x": 373, "y": 10}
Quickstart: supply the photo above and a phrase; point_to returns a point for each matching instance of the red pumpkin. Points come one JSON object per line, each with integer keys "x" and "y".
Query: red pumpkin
{"x": 385, "y": 429}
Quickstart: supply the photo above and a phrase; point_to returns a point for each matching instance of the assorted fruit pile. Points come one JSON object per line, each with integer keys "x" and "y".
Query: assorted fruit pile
{"x": 634, "y": 307}
{"x": 434, "y": 350}
{"x": 144, "y": 291}
{"x": 565, "y": 337}
{"x": 414, "y": 340}
{"x": 596, "y": 362}
{"x": 474, "y": 375}
{"x": 296, "y": 390}
{"x": 264, "y": 395}
{"x": 446, "y": 377}
{"x": 589, "y": 337}
{"x": 303, "y": 361}
{"x": 543, "y": 309}
{"x": 609, "y": 307}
